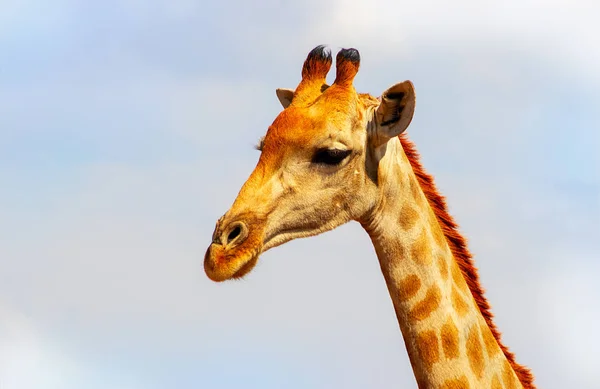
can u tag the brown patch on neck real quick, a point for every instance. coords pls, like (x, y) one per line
(462, 256)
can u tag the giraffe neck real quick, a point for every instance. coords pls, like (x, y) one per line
(448, 341)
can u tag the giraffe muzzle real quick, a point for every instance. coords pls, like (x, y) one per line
(234, 249)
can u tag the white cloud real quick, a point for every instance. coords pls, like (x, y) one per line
(563, 30)
(26, 360)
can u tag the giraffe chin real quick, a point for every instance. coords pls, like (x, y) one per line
(220, 266)
(246, 268)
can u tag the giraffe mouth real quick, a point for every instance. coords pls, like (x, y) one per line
(246, 268)
(221, 264)
(225, 262)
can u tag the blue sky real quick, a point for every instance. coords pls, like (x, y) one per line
(126, 130)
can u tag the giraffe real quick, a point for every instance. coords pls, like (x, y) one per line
(334, 155)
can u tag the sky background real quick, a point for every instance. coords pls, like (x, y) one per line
(126, 130)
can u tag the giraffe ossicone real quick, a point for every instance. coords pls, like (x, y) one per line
(334, 155)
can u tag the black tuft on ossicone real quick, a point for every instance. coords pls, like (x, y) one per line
(321, 52)
(351, 55)
(317, 62)
(347, 63)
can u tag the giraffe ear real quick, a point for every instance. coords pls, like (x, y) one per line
(285, 96)
(395, 111)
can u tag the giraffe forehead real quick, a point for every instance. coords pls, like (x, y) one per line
(305, 126)
(295, 124)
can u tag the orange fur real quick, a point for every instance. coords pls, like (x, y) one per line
(347, 63)
(317, 64)
(463, 257)
(314, 72)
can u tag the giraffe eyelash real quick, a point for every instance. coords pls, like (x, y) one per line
(260, 144)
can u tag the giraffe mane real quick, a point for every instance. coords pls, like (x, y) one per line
(461, 253)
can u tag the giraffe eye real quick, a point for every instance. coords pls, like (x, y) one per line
(330, 156)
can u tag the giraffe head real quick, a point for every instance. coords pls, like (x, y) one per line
(319, 164)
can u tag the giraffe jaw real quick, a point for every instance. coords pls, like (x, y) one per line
(283, 236)
(246, 268)
(221, 265)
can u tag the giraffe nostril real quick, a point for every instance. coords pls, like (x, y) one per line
(234, 233)
(237, 233)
